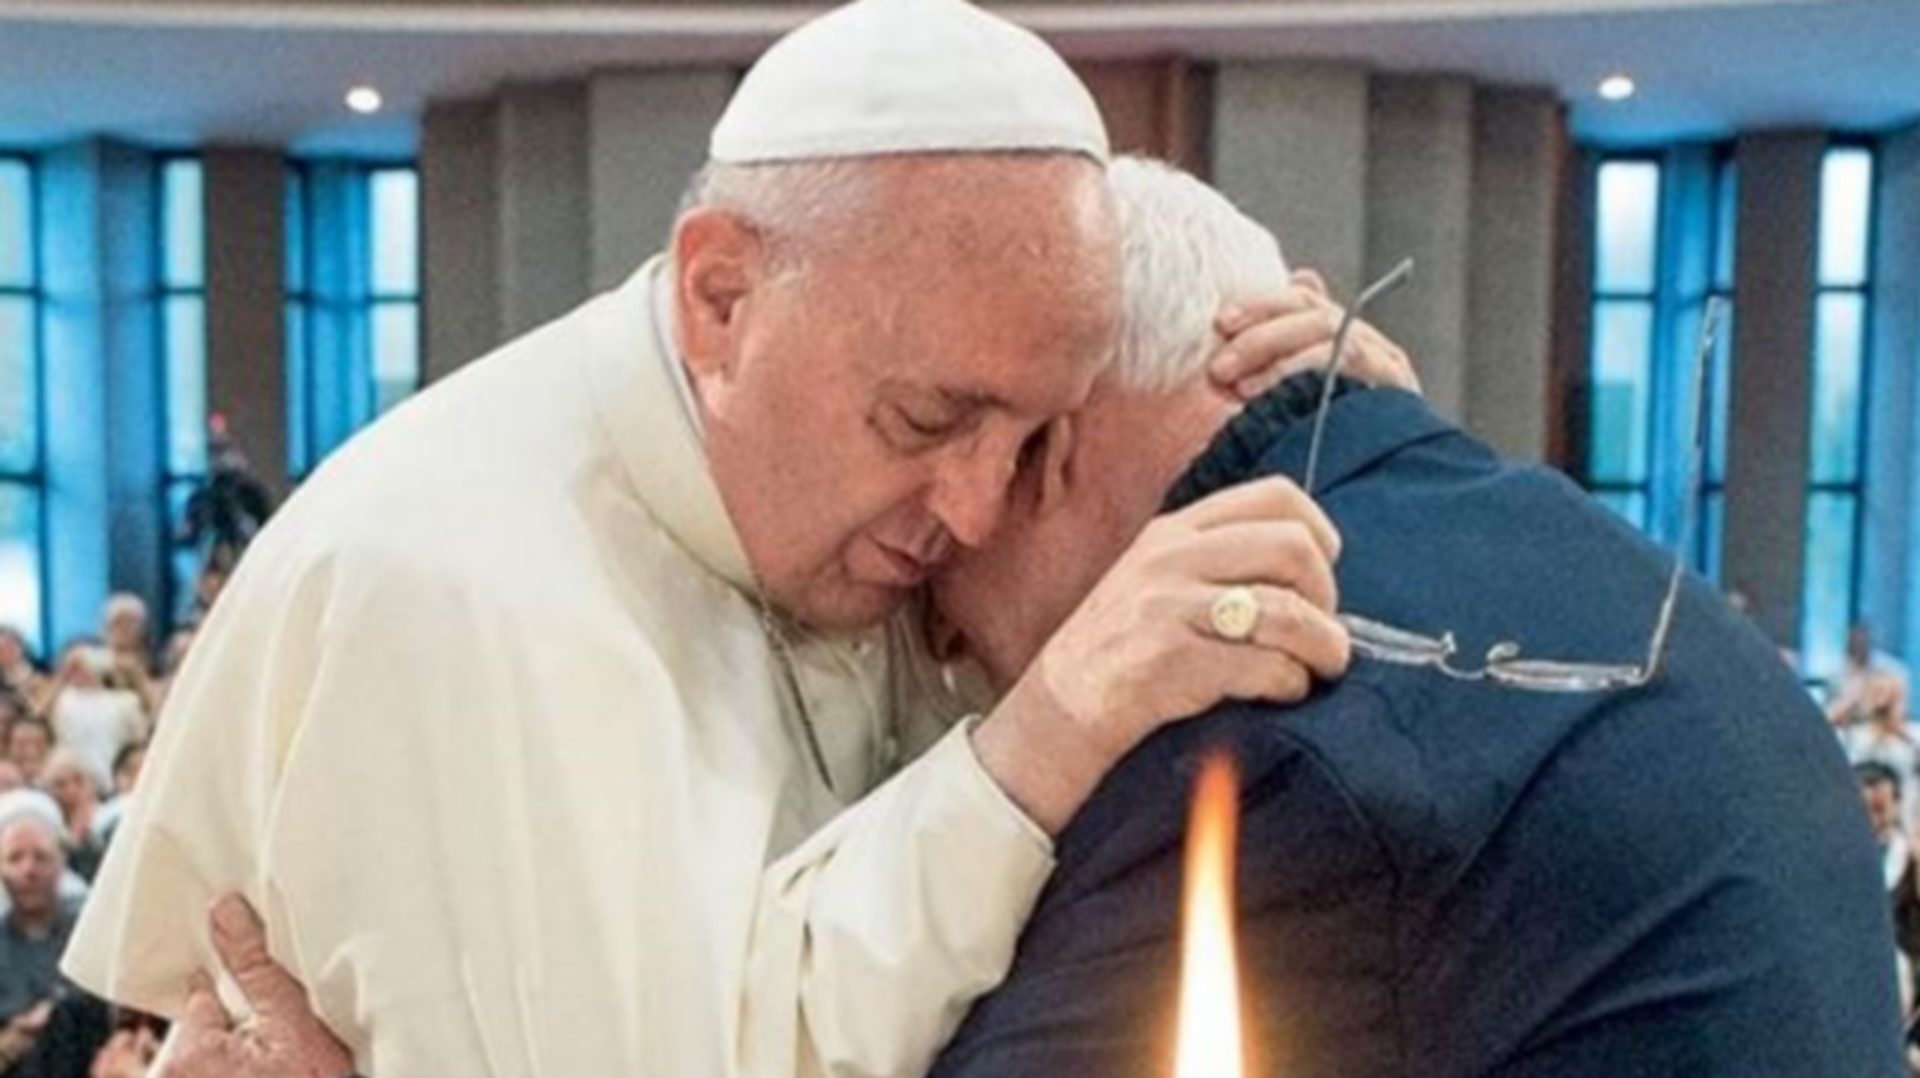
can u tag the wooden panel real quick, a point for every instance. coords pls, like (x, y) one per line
(1160, 108)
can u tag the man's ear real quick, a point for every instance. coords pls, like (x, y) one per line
(1056, 466)
(718, 258)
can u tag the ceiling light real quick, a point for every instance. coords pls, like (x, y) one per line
(363, 99)
(1616, 87)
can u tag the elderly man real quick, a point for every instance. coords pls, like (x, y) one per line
(45, 1027)
(1449, 867)
(547, 726)
(32, 933)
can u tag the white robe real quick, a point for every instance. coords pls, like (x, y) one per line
(488, 726)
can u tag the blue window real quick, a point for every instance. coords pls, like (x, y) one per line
(1842, 317)
(1663, 246)
(1625, 302)
(22, 407)
(353, 301)
(1712, 509)
(183, 358)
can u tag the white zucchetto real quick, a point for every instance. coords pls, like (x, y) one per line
(879, 77)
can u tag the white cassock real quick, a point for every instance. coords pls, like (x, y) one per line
(489, 728)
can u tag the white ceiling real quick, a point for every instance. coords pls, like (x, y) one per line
(180, 73)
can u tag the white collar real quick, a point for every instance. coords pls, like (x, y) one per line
(646, 409)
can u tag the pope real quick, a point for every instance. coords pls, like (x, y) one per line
(560, 725)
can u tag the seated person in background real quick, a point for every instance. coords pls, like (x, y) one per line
(1882, 737)
(18, 671)
(1442, 874)
(46, 1026)
(1865, 665)
(126, 774)
(123, 628)
(36, 803)
(1880, 789)
(29, 740)
(94, 711)
(13, 708)
(66, 778)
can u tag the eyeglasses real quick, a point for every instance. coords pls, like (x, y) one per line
(1504, 664)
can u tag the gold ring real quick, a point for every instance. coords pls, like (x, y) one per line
(1235, 614)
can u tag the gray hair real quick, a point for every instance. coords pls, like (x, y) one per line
(1187, 252)
(791, 202)
(31, 804)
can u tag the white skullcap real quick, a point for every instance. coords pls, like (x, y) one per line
(882, 77)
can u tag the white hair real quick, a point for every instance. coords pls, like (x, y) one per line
(1187, 253)
(125, 603)
(30, 804)
(791, 202)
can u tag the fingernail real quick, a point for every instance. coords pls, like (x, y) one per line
(1231, 316)
(1249, 388)
(230, 916)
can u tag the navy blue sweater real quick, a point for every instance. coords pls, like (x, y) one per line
(1449, 879)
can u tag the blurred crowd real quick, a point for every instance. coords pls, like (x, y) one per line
(1870, 708)
(73, 738)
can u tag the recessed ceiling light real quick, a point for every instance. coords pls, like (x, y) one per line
(1616, 87)
(363, 99)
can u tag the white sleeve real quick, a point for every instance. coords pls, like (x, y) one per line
(874, 937)
(282, 754)
(197, 825)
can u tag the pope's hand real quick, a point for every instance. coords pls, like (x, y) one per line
(1143, 649)
(1270, 339)
(283, 1039)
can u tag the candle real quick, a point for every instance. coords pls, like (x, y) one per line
(1209, 1042)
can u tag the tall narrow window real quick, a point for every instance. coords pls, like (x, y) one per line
(22, 408)
(1626, 282)
(1717, 283)
(183, 357)
(1837, 465)
(395, 225)
(299, 301)
(1663, 246)
(353, 294)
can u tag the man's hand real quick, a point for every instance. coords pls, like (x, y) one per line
(19, 1035)
(1271, 339)
(1140, 651)
(284, 1039)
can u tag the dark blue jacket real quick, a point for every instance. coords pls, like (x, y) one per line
(1440, 878)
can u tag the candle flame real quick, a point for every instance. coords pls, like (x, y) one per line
(1209, 1044)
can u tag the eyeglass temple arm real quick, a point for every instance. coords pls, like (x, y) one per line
(1703, 359)
(1389, 281)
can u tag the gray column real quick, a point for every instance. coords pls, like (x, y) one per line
(246, 195)
(106, 520)
(1519, 160)
(544, 240)
(1290, 148)
(1890, 570)
(1772, 374)
(460, 234)
(647, 136)
(1419, 190)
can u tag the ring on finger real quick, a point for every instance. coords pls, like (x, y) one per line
(1235, 614)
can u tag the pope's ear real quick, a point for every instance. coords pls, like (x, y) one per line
(717, 256)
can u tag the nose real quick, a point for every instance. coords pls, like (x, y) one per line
(970, 493)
